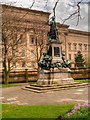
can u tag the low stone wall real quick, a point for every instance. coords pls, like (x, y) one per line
(25, 76)
(83, 73)
(21, 76)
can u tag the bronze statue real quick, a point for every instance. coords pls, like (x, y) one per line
(46, 62)
(65, 63)
(53, 30)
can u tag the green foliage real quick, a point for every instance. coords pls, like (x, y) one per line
(79, 60)
(50, 111)
(82, 114)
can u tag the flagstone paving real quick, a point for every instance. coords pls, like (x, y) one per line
(15, 95)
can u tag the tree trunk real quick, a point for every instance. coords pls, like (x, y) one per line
(6, 77)
(6, 71)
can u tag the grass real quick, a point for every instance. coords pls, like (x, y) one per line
(14, 84)
(50, 111)
(82, 80)
(9, 85)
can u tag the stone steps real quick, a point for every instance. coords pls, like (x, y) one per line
(30, 89)
(55, 87)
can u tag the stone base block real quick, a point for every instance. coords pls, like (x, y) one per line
(55, 76)
(44, 82)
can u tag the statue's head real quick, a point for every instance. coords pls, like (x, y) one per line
(53, 18)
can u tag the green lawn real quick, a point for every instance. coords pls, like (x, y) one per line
(50, 111)
(8, 85)
(14, 84)
(82, 80)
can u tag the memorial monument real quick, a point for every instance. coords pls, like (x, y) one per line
(54, 67)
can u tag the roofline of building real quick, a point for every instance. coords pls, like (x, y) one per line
(62, 25)
(79, 32)
(24, 9)
(47, 13)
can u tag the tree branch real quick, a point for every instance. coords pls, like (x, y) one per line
(54, 8)
(77, 13)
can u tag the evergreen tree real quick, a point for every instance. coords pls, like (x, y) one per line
(79, 60)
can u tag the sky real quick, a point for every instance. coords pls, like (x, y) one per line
(63, 10)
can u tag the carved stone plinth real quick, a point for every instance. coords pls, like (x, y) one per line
(44, 77)
(55, 76)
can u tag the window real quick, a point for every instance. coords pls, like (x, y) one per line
(69, 56)
(80, 47)
(23, 64)
(56, 52)
(33, 64)
(85, 47)
(88, 47)
(74, 46)
(14, 65)
(32, 53)
(31, 41)
(69, 46)
(23, 53)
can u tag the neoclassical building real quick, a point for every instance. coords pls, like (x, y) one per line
(31, 28)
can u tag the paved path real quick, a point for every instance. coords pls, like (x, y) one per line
(15, 95)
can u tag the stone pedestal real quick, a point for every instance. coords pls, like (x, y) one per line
(44, 77)
(55, 76)
(56, 52)
(61, 76)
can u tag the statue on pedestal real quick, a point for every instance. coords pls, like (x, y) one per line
(53, 30)
(46, 62)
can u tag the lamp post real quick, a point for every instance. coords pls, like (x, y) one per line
(26, 74)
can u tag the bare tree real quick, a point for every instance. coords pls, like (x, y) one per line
(12, 36)
(40, 48)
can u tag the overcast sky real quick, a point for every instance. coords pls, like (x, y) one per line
(63, 10)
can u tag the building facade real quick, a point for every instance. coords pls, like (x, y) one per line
(31, 28)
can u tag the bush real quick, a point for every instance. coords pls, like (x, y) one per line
(78, 113)
(79, 60)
